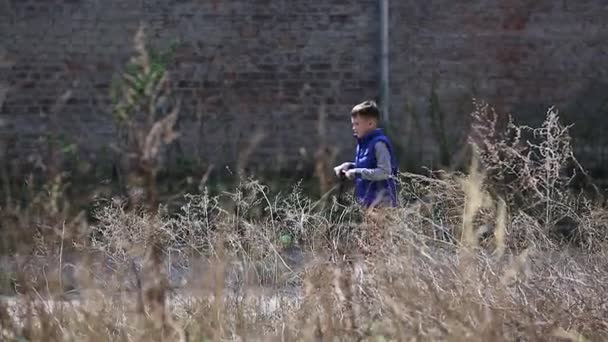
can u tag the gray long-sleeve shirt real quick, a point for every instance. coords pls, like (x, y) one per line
(383, 167)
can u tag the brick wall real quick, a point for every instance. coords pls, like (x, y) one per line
(274, 66)
(523, 56)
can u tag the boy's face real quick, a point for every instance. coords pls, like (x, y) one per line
(363, 125)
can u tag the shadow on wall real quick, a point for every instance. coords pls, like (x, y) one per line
(588, 113)
(433, 134)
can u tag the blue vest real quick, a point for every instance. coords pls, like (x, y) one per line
(376, 193)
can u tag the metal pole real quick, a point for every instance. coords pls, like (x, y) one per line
(384, 60)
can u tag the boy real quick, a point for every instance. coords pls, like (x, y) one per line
(374, 168)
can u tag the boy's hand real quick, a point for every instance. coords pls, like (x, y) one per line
(341, 169)
(350, 174)
(338, 170)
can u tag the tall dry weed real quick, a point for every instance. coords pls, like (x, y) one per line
(146, 113)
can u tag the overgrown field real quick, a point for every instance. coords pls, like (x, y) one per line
(511, 250)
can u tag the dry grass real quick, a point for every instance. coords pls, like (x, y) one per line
(463, 260)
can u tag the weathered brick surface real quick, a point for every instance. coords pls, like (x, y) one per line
(243, 66)
(523, 56)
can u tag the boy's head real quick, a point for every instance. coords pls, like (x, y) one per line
(364, 118)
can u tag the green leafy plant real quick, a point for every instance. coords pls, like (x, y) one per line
(146, 113)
